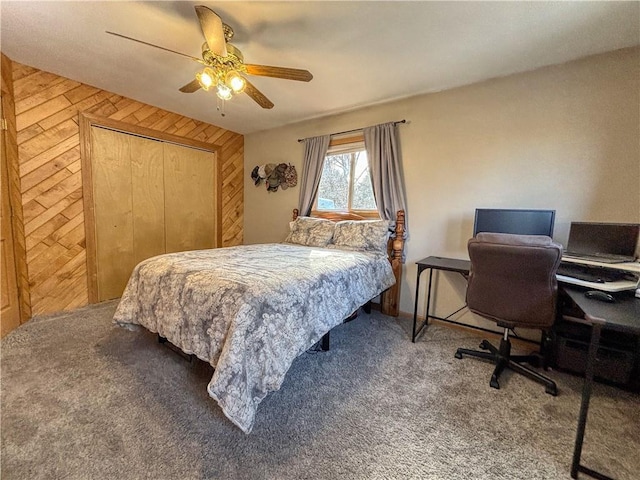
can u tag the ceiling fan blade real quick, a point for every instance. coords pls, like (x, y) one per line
(257, 96)
(192, 86)
(279, 72)
(199, 60)
(212, 30)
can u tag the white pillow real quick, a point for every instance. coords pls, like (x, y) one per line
(363, 235)
(312, 232)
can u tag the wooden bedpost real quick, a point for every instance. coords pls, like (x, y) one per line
(390, 299)
(295, 213)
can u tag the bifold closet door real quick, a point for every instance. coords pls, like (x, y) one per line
(150, 197)
(128, 191)
(189, 203)
(147, 189)
(113, 210)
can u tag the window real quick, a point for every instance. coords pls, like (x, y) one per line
(345, 183)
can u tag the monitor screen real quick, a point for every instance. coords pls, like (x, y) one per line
(588, 238)
(522, 222)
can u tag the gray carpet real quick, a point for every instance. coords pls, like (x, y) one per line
(84, 399)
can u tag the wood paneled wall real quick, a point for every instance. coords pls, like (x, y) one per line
(50, 177)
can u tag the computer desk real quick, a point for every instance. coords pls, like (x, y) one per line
(623, 315)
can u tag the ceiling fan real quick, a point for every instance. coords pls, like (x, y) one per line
(224, 63)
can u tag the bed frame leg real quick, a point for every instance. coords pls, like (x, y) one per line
(353, 316)
(324, 343)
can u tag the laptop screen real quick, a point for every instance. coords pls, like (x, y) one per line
(601, 239)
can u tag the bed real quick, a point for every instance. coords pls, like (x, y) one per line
(250, 310)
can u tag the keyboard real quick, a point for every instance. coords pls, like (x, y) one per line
(590, 274)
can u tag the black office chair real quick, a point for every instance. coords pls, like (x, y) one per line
(512, 281)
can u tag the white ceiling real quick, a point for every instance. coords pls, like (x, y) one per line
(360, 53)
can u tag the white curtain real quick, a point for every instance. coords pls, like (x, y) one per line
(385, 164)
(315, 149)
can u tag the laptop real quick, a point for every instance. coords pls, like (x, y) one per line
(603, 242)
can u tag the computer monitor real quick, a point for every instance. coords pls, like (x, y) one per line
(522, 222)
(612, 242)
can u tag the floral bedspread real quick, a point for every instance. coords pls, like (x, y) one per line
(250, 310)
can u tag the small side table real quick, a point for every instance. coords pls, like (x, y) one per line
(436, 263)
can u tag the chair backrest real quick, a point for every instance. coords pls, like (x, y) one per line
(513, 279)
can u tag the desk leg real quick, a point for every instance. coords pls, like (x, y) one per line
(415, 308)
(426, 313)
(586, 396)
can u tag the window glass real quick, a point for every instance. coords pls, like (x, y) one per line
(362, 189)
(345, 184)
(333, 192)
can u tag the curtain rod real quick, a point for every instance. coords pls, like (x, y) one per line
(354, 130)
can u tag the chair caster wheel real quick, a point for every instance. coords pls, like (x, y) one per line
(484, 345)
(494, 383)
(551, 390)
(458, 355)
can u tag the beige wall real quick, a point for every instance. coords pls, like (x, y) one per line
(565, 137)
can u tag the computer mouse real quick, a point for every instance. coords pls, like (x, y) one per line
(600, 295)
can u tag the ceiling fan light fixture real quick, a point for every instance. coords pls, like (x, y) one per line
(206, 78)
(224, 68)
(224, 92)
(235, 81)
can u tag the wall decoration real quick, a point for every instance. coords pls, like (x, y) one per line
(275, 175)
